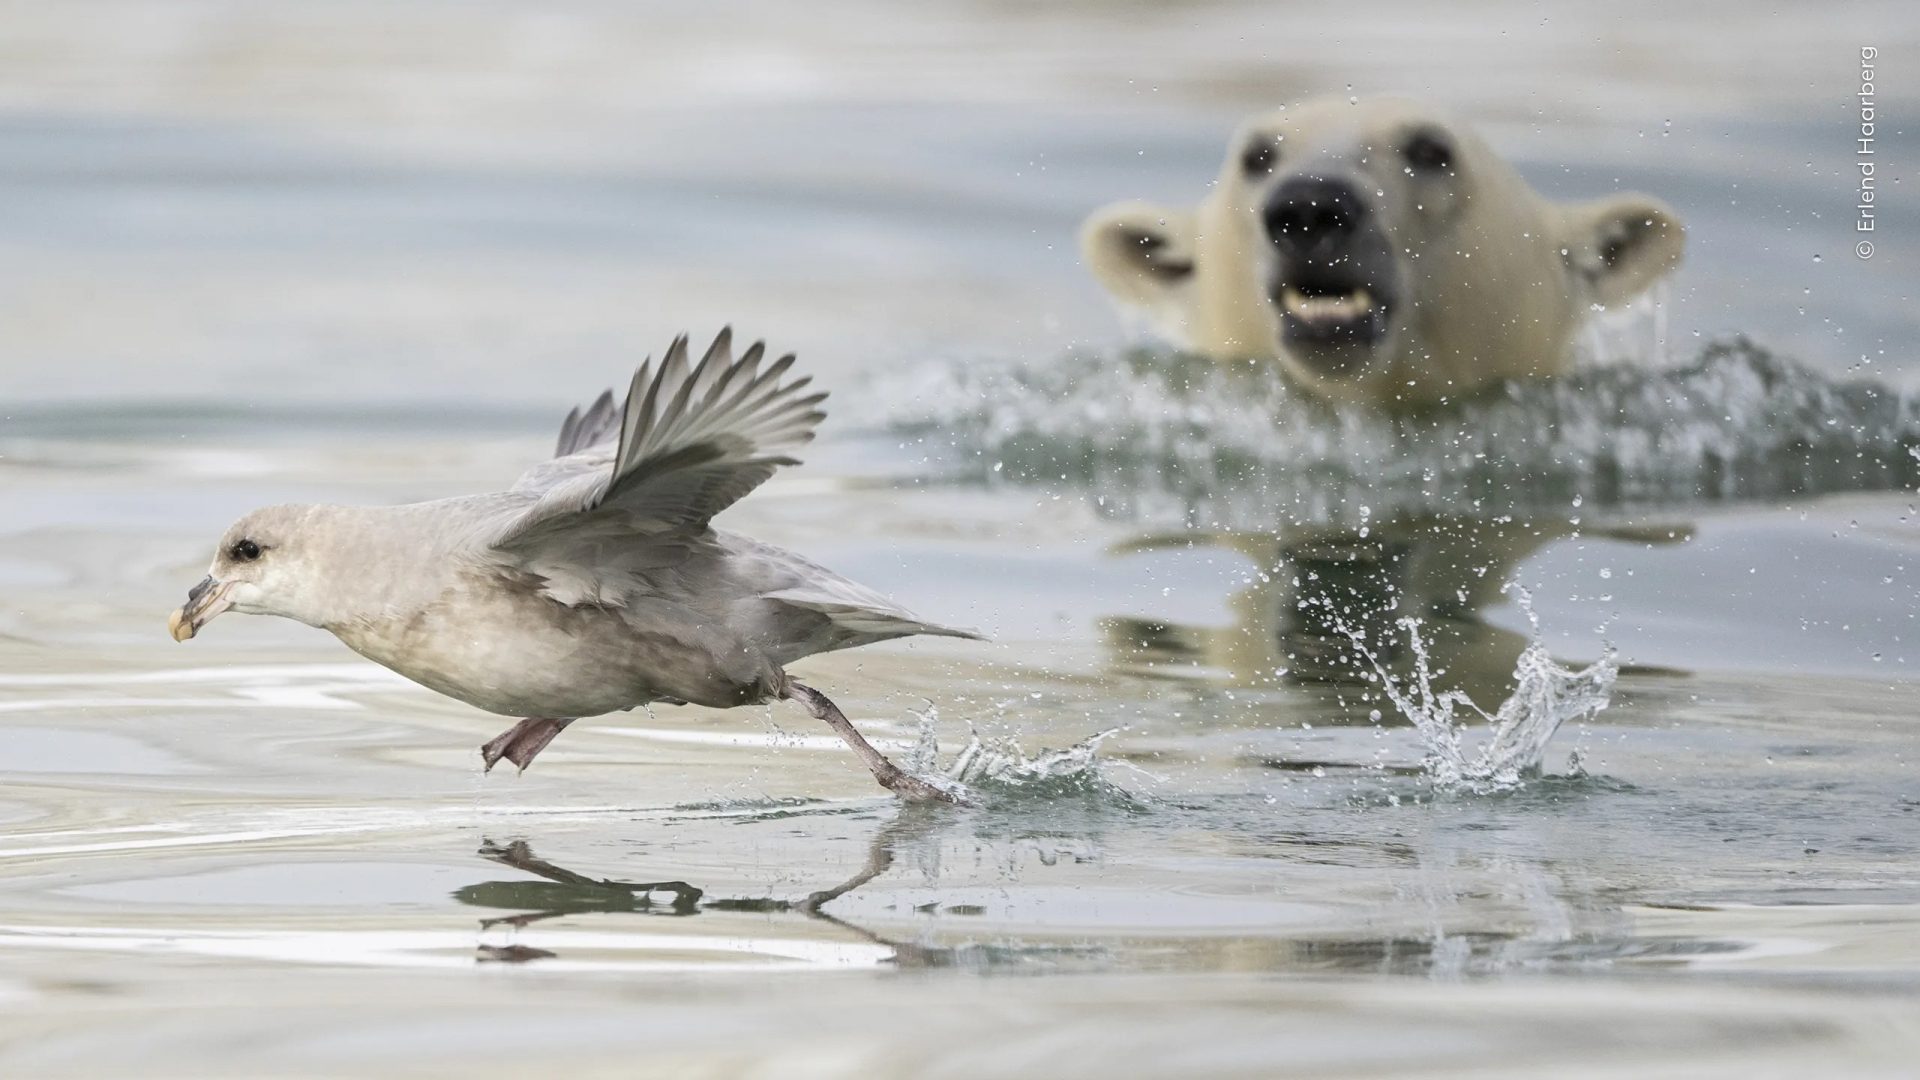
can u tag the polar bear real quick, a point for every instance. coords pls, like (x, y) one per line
(1381, 253)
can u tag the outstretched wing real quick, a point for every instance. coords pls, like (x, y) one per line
(690, 440)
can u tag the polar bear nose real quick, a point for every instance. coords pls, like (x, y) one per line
(1310, 215)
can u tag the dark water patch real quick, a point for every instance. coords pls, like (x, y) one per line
(1483, 954)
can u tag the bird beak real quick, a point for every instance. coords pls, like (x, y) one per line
(204, 601)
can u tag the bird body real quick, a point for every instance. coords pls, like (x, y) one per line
(596, 583)
(712, 621)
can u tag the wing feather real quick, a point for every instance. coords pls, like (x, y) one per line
(689, 441)
(583, 430)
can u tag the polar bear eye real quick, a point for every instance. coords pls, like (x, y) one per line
(1427, 152)
(1259, 157)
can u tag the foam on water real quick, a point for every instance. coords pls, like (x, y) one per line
(1173, 438)
(1545, 696)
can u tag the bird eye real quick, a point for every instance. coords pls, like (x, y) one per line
(1259, 156)
(1427, 152)
(244, 550)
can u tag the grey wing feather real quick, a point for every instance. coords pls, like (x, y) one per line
(596, 425)
(692, 440)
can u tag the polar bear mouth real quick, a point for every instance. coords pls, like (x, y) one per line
(1333, 314)
(1340, 310)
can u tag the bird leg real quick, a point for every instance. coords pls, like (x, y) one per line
(907, 786)
(522, 742)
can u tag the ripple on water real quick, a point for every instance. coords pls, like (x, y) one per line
(73, 750)
(321, 884)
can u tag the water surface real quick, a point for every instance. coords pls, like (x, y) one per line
(373, 254)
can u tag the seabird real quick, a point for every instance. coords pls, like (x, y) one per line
(596, 583)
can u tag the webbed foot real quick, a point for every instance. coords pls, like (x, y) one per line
(522, 742)
(910, 788)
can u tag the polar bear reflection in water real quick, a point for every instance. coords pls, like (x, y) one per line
(1380, 253)
(1318, 594)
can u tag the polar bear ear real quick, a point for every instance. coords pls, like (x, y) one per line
(1620, 246)
(1142, 253)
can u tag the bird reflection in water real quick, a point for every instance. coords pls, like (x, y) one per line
(567, 892)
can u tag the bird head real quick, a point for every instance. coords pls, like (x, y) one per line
(260, 568)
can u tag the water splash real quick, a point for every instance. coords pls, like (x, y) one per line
(1185, 440)
(1000, 766)
(1545, 696)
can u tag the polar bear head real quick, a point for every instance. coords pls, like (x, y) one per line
(1381, 252)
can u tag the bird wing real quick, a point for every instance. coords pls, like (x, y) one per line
(690, 440)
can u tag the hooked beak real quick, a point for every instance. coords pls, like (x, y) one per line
(204, 601)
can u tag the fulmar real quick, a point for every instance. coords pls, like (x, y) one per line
(596, 583)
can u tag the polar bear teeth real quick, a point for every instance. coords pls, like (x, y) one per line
(1326, 308)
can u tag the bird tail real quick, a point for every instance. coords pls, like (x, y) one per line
(817, 625)
(873, 624)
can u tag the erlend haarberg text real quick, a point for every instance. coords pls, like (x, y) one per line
(1864, 156)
